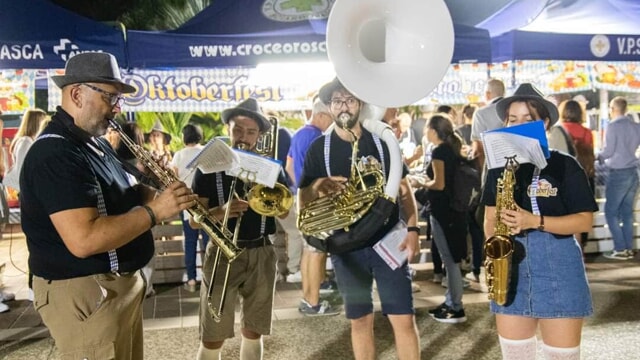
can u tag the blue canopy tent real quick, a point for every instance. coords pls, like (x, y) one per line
(247, 32)
(600, 30)
(36, 34)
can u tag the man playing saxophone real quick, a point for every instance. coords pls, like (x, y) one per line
(355, 270)
(548, 286)
(87, 223)
(253, 273)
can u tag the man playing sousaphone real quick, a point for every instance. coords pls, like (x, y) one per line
(356, 269)
(253, 273)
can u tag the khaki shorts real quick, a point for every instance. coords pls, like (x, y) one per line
(93, 317)
(252, 279)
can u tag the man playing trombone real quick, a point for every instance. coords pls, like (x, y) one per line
(252, 274)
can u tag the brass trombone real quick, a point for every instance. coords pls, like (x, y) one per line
(262, 200)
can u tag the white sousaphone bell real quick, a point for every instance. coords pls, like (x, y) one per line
(388, 54)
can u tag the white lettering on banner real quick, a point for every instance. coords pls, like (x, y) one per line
(313, 47)
(21, 52)
(460, 86)
(628, 45)
(197, 88)
(66, 49)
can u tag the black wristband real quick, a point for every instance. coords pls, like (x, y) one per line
(413, 228)
(152, 216)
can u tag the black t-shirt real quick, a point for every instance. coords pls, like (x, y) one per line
(440, 200)
(340, 163)
(216, 187)
(563, 187)
(67, 173)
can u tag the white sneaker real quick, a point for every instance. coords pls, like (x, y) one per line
(3, 307)
(6, 296)
(472, 277)
(30, 295)
(415, 287)
(296, 277)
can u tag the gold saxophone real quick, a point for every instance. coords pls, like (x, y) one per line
(219, 234)
(499, 248)
(321, 217)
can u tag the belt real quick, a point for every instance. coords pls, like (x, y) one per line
(254, 243)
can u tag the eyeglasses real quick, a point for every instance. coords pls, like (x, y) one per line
(113, 99)
(350, 102)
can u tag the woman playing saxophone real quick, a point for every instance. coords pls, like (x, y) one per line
(548, 287)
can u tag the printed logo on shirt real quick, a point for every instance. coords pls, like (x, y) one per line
(544, 189)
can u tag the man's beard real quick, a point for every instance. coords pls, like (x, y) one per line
(346, 120)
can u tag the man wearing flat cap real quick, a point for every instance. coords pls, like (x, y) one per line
(253, 273)
(87, 223)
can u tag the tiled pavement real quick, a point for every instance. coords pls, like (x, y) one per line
(174, 307)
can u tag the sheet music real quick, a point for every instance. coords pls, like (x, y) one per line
(255, 168)
(215, 156)
(528, 142)
(387, 247)
(498, 146)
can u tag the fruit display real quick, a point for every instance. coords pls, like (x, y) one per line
(619, 75)
(15, 87)
(572, 77)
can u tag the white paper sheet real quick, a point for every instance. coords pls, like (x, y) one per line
(388, 249)
(252, 167)
(215, 156)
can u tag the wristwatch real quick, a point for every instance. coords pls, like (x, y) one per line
(413, 228)
(541, 226)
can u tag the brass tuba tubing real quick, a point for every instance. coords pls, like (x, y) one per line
(322, 216)
(217, 233)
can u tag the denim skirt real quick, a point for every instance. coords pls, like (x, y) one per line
(547, 279)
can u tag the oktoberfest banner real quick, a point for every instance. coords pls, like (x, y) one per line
(17, 91)
(276, 88)
(211, 90)
(462, 84)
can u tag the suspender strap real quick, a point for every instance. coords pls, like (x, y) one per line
(221, 200)
(102, 207)
(534, 191)
(327, 152)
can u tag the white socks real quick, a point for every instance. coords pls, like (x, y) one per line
(556, 353)
(251, 349)
(518, 349)
(208, 354)
(526, 350)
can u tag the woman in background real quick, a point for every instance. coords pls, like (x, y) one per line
(22, 141)
(192, 136)
(573, 116)
(448, 226)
